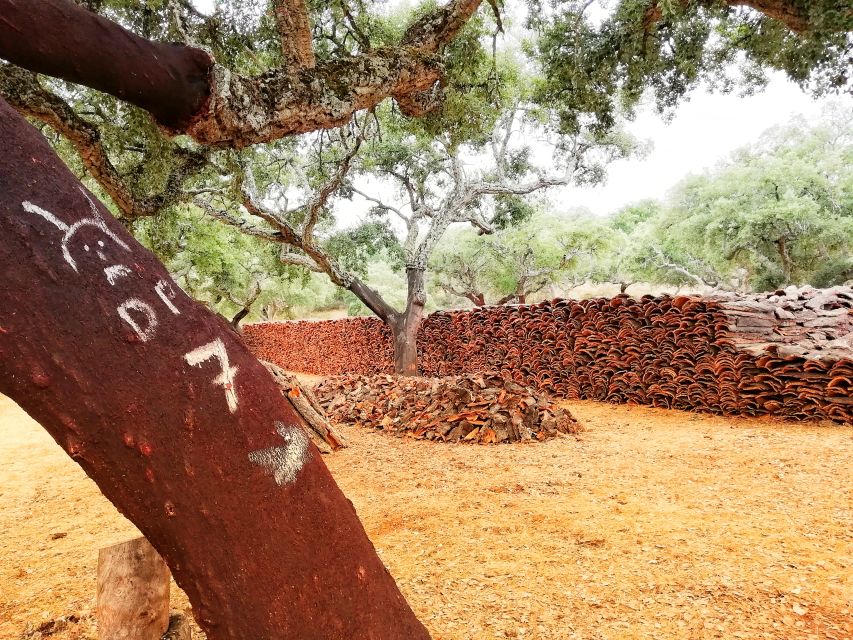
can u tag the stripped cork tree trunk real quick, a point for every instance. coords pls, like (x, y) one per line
(179, 425)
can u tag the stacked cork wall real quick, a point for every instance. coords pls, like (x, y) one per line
(735, 357)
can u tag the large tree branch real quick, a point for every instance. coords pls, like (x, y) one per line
(248, 110)
(239, 223)
(373, 301)
(61, 39)
(787, 12)
(526, 188)
(294, 27)
(315, 258)
(23, 91)
(299, 260)
(187, 93)
(435, 30)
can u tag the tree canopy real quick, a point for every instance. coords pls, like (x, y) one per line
(596, 67)
(775, 213)
(306, 80)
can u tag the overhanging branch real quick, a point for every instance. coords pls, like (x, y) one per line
(188, 93)
(294, 27)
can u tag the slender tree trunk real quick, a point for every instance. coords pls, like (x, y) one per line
(405, 326)
(238, 318)
(785, 257)
(179, 425)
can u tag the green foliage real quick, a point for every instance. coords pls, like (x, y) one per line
(222, 267)
(520, 261)
(355, 249)
(631, 216)
(594, 71)
(778, 213)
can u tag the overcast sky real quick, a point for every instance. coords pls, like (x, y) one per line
(705, 130)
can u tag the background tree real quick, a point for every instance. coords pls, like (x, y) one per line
(520, 261)
(779, 212)
(431, 184)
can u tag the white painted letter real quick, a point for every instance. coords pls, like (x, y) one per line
(167, 298)
(216, 349)
(96, 221)
(146, 333)
(115, 272)
(284, 463)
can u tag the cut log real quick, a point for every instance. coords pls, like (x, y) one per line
(133, 592)
(325, 436)
(180, 426)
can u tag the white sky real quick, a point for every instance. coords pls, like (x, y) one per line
(705, 130)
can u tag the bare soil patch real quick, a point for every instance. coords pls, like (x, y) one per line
(651, 524)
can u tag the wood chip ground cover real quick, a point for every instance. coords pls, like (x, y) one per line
(652, 524)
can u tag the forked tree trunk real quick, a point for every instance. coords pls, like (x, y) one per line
(405, 334)
(404, 326)
(179, 425)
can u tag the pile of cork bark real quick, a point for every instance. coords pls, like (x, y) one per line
(473, 408)
(788, 353)
(816, 324)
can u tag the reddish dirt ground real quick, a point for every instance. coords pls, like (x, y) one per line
(652, 524)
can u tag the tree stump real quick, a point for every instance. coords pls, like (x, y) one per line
(133, 592)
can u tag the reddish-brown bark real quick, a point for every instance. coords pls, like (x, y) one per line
(787, 355)
(197, 447)
(61, 39)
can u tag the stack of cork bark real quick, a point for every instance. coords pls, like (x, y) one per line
(325, 347)
(816, 324)
(472, 408)
(788, 353)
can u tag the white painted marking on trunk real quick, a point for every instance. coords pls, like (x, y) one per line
(216, 349)
(167, 298)
(284, 463)
(144, 333)
(96, 221)
(115, 272)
